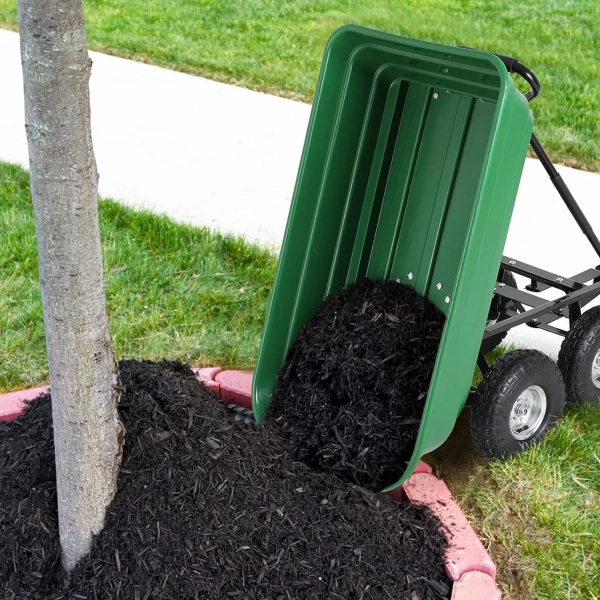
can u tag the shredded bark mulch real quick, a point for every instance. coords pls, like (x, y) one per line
(208, 507)
(352, 391)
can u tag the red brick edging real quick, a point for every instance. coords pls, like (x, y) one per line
(468, 564)
(11, 404)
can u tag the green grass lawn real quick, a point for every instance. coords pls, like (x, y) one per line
(182, 293)
(277, 46)
(540, 512)
(173, 291)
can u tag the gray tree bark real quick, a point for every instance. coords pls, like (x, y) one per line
(64, 188)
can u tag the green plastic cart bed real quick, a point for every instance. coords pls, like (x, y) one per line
(410, 169)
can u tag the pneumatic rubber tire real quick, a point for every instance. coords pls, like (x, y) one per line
(578, 359)
(502, 396)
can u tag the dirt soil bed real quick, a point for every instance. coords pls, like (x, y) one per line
(352, 391)
(208, 507)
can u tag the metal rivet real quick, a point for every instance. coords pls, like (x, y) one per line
(410, 275)
(559, 279)
(447, 299)
(512, 262)
(435, 95)
(439, 286)
(501, 284)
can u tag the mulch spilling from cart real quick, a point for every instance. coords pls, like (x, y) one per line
(208, 507)
(352, 391)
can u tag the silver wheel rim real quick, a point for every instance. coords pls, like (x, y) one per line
(528, 412)
(596, 370)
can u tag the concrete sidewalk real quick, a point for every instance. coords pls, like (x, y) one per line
(200, 151)
(226, 157)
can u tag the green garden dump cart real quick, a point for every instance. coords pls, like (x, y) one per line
(410, 170)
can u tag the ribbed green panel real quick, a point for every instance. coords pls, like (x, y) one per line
(461, 206)
(331, 197)
(378, 171)
(376, 259)
(321, 128)
(384, 111)
(428, 194)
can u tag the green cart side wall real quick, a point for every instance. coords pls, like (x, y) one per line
(410, 169)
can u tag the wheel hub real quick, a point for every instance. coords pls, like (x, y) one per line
(529, 410)
(596, 370)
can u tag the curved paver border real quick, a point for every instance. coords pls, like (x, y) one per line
(13, 403)
(468, 564)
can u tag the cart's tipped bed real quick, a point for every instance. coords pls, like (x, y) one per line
(410, 169)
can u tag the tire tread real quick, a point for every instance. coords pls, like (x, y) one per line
(574, 352)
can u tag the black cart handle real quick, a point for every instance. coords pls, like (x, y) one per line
(514, 66)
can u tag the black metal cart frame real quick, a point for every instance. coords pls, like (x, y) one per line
(527, 307)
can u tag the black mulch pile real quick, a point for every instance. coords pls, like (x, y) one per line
(352, 391)
(208, 507)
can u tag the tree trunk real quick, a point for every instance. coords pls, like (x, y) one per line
(64, 188)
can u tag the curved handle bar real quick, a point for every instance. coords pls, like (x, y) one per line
(514, 66)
